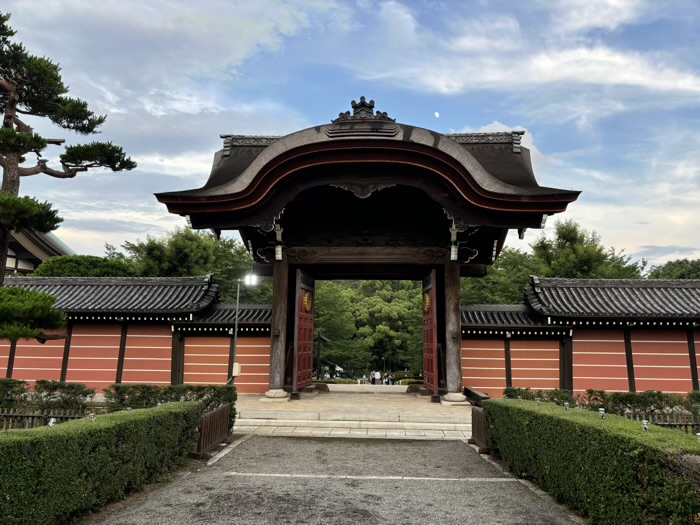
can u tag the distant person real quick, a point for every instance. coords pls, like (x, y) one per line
(378, 378)
(371, 376)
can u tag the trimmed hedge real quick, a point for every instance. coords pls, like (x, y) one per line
(610, 469)
(48, 395)
(53, 475)
(121, 396)
(13, 393)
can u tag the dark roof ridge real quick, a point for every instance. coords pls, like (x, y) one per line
(232, 306)
(497, 307)
(111, 281)
(628, 283)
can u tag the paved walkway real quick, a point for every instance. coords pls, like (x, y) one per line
(389, 413)
(275, 480)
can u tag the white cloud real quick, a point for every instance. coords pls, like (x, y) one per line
(164, 45)
(584, 15)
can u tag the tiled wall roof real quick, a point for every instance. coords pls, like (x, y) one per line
(615, 298)
(124, 295)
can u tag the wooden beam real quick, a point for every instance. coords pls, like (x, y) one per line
(11, 359)
(66, 351)
(693, 358)
(630, 360)
(177, 374)
(509, 368)
(566, 364)
(122, 352)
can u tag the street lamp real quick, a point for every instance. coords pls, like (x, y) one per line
(249, 280)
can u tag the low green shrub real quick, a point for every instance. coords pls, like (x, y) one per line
(609, 469)
(121, 396)
(49, 395)
(692, 403)
(13, 393)
(53, 475)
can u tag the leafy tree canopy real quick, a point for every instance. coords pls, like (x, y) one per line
(578, 254)
(678, 269)
(186, 252)
(85, 266)
(572, 252)
(25, 313)
(334, 321)
(504, 282)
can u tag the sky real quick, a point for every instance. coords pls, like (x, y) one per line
(608, 92)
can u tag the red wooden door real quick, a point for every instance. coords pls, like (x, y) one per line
(430, 371)
(304, 331)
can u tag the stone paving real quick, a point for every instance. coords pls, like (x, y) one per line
(388, 414)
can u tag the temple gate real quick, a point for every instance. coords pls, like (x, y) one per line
(366, 197)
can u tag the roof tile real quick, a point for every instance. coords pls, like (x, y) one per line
(615, 298)
(124, 295)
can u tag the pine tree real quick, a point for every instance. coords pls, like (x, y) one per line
(32, 86)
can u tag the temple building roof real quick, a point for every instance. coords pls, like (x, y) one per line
(28, 249)
(364, 181)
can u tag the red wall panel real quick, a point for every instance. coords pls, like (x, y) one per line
(206, 360)
(535, 364)
(484, 366)
(4, 356)
(36, 361)
(148, 355)
(599, 360)
(93, 356)
(253, 353)
(661, 360)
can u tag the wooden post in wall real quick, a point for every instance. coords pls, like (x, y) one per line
(453, 326)
(280, 285)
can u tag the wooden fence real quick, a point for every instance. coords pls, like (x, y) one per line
(683, 422)
(213, 429)
(21, 418)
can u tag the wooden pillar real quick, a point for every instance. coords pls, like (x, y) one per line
(693, 359)
(630, 360)
(509, 368)
(66, 351)
(280, 287)
(177, 373)
(122, 352)
(11, 359)
(566, 364)
(453, 327)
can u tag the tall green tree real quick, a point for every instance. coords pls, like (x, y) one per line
(186, 252)
(505, 281)
(388, 318)
(33, 86)
(576, 253)
(334, 321)
(678, 269)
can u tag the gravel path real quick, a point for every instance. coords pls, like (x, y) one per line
(278, 480)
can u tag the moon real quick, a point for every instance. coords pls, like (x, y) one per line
(437, 115)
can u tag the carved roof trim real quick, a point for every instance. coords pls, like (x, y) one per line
(504, 137)
(246, 140)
